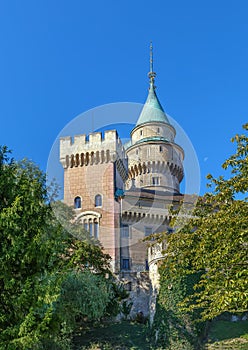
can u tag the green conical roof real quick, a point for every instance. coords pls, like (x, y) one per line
(152, 110)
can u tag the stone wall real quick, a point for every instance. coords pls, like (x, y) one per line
(139, 287)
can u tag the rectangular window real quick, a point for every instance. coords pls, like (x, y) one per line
(147, 266)
(148, 231)
(156, 180)
(125, 264)
(125, 231)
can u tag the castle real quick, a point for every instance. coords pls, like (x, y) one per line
(122, 193)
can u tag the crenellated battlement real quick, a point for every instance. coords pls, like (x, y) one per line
(96, 148)
(84, 142)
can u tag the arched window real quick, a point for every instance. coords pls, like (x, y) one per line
(98, 200)
(96, 229)
(90, 227)
(91, 223)
(77, 203)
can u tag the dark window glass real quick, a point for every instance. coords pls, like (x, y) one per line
(90, 228)
(77, 203)
(96, 230)
(98, 200)
(155, 180)
(125, 264)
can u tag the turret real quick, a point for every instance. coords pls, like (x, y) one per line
(155, 160)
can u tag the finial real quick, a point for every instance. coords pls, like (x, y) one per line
(151, 74)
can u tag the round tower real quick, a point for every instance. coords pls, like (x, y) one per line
(154, 159)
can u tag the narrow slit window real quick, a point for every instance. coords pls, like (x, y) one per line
(156, 181)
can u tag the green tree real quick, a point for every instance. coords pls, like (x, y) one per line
(39, 255)
(214, 242)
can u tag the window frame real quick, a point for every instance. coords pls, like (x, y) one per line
(125, 266)
(125, 231)
(76, 199)
(98, 197)
(155, 180)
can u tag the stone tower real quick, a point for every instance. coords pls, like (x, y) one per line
(155, 170)
(154, 159)
(94, 169)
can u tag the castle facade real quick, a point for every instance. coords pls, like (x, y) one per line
(122, 193)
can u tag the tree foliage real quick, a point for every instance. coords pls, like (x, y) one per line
(175, 328)
(214, 241)
(40, 256)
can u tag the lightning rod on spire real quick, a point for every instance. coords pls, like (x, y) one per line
(151, 57)
(151, 74)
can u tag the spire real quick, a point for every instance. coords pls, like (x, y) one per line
(152, 109)
(151, 74)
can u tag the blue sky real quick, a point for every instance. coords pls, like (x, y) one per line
(61, 58)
